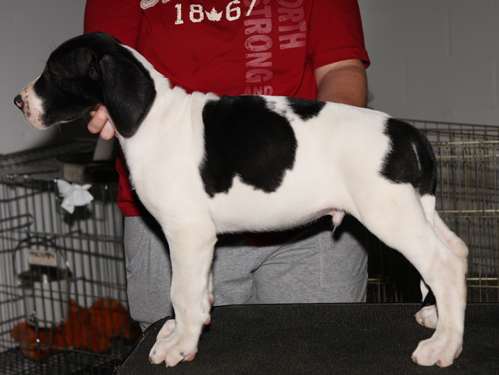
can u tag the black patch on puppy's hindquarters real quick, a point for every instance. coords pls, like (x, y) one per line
(411, 158)
(304, 108)
(244, 138)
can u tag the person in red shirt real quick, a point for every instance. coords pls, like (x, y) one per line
(311, 49)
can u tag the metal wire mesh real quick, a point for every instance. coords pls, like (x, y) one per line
(467, 200)
(79, 323)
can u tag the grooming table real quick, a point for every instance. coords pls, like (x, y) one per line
(322, 339)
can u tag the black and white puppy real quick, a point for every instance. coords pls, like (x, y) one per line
(204, 165)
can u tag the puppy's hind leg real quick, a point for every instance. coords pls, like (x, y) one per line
(428, 315)
(405, 227)
(448, 283)
(447, 236)
(456, 244)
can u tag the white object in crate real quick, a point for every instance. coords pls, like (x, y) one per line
(42, 257)
(74, 195)
(45, 289)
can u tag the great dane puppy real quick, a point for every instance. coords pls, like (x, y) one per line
(203, 165)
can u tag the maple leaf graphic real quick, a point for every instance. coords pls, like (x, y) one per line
(214, 15)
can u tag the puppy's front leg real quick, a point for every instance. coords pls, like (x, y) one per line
(191, 252)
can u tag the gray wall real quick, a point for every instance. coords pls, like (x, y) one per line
(29, 31)
(431, 59)
(434, 59)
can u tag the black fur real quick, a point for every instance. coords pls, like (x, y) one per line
(305, 109)
(95, 69)
(244, 138)
(411, 158)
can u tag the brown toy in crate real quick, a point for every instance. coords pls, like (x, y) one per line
(86, 329)
(25, 334)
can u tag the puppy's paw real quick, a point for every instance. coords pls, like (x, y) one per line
(427, 316)
(167, 329)
(436, 351)
(174, 348)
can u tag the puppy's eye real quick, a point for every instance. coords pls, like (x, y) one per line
(54, 75)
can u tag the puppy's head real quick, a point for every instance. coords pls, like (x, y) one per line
(83, 72)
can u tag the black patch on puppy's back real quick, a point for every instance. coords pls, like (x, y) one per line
(305, 109)
(411, 158)
(244, 138)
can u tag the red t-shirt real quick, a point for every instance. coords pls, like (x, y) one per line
(231, 47)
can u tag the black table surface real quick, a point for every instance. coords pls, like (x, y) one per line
(323, 339)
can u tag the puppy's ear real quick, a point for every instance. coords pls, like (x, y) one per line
(128, 91)
(93, 70)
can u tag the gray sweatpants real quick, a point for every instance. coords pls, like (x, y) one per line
(315, 267)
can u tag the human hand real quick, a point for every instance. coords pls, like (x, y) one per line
(99, 123)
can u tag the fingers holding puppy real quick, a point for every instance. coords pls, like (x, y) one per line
(99, 123)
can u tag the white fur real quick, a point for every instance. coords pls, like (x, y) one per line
(337, 168)
(33, 106)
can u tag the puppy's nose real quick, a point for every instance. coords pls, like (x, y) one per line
(19, 102)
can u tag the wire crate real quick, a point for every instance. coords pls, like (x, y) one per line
(467, 200)
(71, 318)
